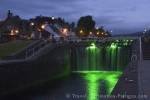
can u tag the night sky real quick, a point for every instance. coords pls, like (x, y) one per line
(121, 16)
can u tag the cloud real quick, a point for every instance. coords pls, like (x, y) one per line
(114, 14)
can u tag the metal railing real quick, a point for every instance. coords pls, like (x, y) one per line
(32, 51)
(140, 80)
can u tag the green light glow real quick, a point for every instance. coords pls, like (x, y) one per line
(92, 46)
(93, 57)
(93, 79)
(113, 46)
(99, 57)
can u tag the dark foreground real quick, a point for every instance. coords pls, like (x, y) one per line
(74, 88)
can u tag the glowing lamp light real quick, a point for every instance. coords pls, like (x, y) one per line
(53, 18)
(65, 31)
(32, 24)
(81, 31)
(43, 26)
(17, 31)
(90, 33)
(97, 33)
(12, 33)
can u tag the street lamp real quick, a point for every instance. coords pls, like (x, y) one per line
(32, 24)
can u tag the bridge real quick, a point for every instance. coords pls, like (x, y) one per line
(71, 68)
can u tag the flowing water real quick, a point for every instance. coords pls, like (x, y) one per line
(110, 57)
(101, 66)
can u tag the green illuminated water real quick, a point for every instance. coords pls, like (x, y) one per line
(95, 87)
(113, 57)
(101, 65)
(93, 59)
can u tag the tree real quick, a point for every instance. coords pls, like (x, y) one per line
(72, 25)
(85, 25)
(108, 34)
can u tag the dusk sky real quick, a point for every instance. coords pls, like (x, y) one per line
(121, 16)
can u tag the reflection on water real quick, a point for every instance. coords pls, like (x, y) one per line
(99, 82)
(80, 83)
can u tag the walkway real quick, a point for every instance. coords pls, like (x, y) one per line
(144, 79)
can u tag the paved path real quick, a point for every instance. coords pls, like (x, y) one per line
(144, 78)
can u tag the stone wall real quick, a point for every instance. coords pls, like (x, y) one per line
(52, 62)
